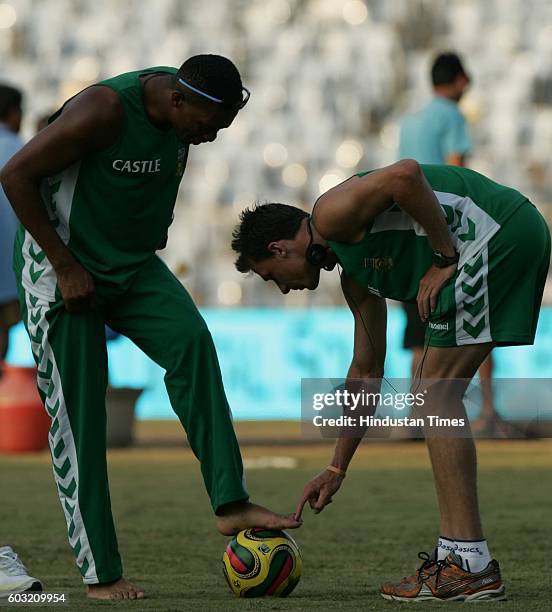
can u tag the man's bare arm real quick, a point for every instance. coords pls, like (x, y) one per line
(90, 122)
(370, 315)
(343, 212)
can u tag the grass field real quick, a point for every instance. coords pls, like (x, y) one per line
(384, 514)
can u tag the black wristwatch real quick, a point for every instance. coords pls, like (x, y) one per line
(442, 261)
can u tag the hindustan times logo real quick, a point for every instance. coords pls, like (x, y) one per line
(343, 398)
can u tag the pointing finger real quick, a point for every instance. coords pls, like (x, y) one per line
(300, 505)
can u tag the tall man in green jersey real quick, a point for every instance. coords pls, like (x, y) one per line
(474, 256)
(95, 192)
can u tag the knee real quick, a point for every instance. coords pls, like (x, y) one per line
(190, 337)
(442, 397)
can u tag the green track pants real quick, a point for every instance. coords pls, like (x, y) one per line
(158, 315)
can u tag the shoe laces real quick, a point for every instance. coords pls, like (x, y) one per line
(430, 567)
(11, 564)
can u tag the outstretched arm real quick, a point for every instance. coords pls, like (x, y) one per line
(90, 122)
(370, 314)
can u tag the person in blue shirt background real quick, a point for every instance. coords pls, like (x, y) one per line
(10, 123)
(438, 134)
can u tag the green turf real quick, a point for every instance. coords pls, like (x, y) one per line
(384, 514)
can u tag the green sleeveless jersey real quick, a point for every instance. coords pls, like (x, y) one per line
(113, 208)
(395, 253)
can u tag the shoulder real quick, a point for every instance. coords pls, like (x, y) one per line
(448, 109)
(95, 116)
(99, 101)
(342, 213)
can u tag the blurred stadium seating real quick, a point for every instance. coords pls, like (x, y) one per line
(329, 79)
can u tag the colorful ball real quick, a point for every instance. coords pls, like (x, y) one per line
(259, 562)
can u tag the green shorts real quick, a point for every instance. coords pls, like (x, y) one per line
(496, 295)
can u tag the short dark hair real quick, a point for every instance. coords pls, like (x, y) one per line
(214, 75)
(10, 99)
(261, 225)
(445, 69)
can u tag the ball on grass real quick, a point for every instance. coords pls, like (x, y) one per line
(259, 562)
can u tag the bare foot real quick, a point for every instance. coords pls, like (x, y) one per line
(120, 589)
(234, 517)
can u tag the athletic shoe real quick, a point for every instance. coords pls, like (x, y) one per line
(13, 575)
(446, 581)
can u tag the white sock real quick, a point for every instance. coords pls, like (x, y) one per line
(474, 553)
(444, 547)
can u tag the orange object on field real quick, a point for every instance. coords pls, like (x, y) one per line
(24, 423)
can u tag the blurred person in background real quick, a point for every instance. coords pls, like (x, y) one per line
(473, 256)
(10, 123)
(95, 192)
(438, 134)
(13, 575)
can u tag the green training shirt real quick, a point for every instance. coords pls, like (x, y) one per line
(395, 253)
(113, 208)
